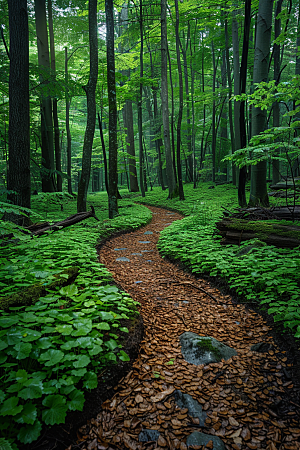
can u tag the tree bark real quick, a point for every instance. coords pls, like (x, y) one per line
(258, 191)
(54, 101)
(213, 145)
(190, 159)
(243, 81)
(179, 121)
(164, 101)
(130, 148)
(18, 179)
(48, 184)
(113, 113)
(69, 138)
(232, 135)
(90, 90)
(140, 111)
(236, 91)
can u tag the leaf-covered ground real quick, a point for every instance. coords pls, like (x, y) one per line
(251, 400)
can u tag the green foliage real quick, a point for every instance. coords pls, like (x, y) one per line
(51, 351)
(267, 275)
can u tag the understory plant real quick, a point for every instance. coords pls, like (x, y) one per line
(53, 350)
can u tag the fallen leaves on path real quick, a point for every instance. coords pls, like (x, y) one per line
(240, 395)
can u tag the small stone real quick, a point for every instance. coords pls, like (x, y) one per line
(194, 408)
(144, 242)
(138, 282)
(203, 349)
(261, 347)
(136, 254)
(119, 249)
(145, 251)
(185, 302)
(148, 232)
(197, 438)
(123, 258)
(149, 435)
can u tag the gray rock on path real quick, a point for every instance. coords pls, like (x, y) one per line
(203, 349)
(194, 407)
(123, 258)
(149, 435)
(197, 438)
(261, 347)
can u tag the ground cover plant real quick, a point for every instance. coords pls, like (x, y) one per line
(265, 275)
(51, 351)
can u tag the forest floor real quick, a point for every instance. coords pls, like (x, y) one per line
(250, 400)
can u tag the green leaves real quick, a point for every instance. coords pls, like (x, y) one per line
(56, 409)
(82, 361)
(30, 433)
(23, 350)
(10, 407)
(51, 357)
(77, 400)
(90, 380)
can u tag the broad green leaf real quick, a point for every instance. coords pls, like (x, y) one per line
(111, 344)
(57, 409)
(102, 326)
(33, 390)
(3, 345)
(2, 396)
(69, 290)
(31, 335)
(123, 356)
(95, 350)
(85, 342)
(6, 322)
(65, 330)
(23, 350)
(90, 380)
(52, 357)
(5, 445)
(70, 344)
(28, 415)
(77, 400)
(82, 361)
(30, 433)
(44, 343)
(78, 372)
(124, 329)
(106, 315)
(10, 407)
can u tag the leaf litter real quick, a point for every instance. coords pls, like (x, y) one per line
(240, 396)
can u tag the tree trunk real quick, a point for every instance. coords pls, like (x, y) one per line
(213, 145)
(90, 90)
(54, 101)
(69, 139)
(276, 112)
(179, 172)
(223, 115)
(140, 111)
(130, 149)
(190, 172)
(113, 112)
(232, 135)
(104, 153)
(18, 179)
(236, 91)
(172, 115)
(48, 184)
(243, 80)
(164, 101)
(258, 191)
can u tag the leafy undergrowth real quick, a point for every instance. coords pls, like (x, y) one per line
(53, 350)
(266, 275)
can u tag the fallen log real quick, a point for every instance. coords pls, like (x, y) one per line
(291, 212)
(71, 220)
(234, 231)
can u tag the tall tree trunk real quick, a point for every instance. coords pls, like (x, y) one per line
(90, 90)
(172, 115)
(243, 80)
(164, 101)
(258, 191)
(232, 136)
(48, 184)
(223, 115)
(18, 179)
(103, 152)
(54, 101)
(113, 112)
(140, 111)
(276, 112)
(130, 148)
(69, 139)
(213, 145)
(184, 49)
(297, 72)
(236, 91)
(179, 121)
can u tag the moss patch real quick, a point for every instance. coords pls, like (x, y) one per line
(205, 345)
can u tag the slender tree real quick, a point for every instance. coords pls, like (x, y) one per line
(258, 191)
(90, 90)
(164, 100)
(18, 179)
(113, 113)
(48, 183)
(140, 100)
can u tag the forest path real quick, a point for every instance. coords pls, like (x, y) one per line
(238, 394)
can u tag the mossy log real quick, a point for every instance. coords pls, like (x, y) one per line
(235, 231)
(31, 294)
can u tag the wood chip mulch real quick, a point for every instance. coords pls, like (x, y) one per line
(240, 395)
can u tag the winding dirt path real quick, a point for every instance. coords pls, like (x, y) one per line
(239, 395)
